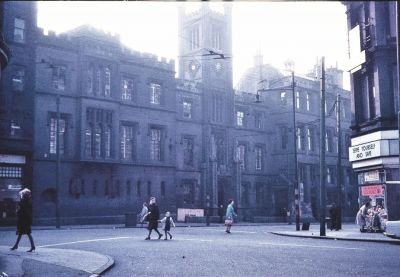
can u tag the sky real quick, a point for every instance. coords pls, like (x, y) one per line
(297, 31)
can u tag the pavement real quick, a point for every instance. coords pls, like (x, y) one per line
(46, 261)
(50, 261)
(349, 231)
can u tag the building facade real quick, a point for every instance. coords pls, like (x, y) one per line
(275, 94)
(374, 78)
(119, 127)
(18, 21)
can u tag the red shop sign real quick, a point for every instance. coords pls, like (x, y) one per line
(376, 190)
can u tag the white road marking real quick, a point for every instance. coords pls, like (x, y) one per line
(233, 231)
(84, 241)
(106, 239)
(207, 240)
(313, 246)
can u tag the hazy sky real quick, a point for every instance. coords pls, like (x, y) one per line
(300, 31)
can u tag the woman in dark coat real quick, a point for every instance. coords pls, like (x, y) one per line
(153, 216)
(24, 216)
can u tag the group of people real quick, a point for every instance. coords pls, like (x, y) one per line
(372, 218)
(151, 213)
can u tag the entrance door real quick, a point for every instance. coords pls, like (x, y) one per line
(281, 201)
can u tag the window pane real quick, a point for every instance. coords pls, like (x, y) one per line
(90, 81)
(126, 142)
(188, 151)
(97, 142)
(155, 94)
(19, 30)
(127, 89)
(18, 80)
(155, 144)
(107, 142)
(187, 109)
(239, 118)
(107, 82)
(59, 77)
(88, 142)
(53, 134)
(258, 158)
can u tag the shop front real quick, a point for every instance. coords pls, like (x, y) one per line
(11, 173)
(375, 160)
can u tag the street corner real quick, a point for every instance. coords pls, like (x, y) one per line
(55, 260)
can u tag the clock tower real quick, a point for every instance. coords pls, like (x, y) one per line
(205, 45)
(205, 58)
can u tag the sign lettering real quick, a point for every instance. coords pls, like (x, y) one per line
(376, 190)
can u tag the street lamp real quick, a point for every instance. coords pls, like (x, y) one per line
(296, 181)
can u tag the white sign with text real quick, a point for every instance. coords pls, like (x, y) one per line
(368, 150)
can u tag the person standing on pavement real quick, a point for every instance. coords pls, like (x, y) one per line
(143, 213)
(153, 216)
(362, 216)
(24, 217)
(230, 213)
(167, 221)
(334, 213)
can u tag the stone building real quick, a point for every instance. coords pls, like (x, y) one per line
(374, 151)
(129, 129)
(18, 21)
(273, 90)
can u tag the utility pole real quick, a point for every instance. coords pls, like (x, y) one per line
(339, 163)
(58, 161)
(296, 180)
(322, 172)
(398, 72)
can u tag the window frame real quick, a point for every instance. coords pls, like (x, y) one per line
(18, 29)
(53, 135)
(155, 143)
(155, 93)
(187, 109)
(59, 81)
(240, 119)
(21, 86)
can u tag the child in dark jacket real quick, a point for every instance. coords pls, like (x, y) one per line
(167, 221)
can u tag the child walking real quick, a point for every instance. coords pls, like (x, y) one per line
(167, 221)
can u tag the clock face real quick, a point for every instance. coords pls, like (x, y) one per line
(194, 66)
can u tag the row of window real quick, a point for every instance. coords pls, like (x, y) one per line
(309, 103)
(241, 156)
(194, 38)
(98, 138)
(305, 139)
(113, 189)
(241, 120)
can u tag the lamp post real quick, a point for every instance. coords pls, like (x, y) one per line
(296, 181)
(322, 172)
(57, 161)
(339, 163)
